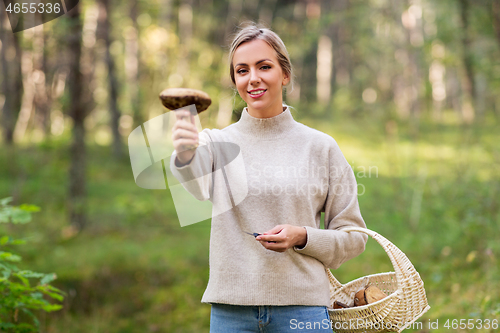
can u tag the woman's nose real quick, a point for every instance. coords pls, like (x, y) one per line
(254, 77)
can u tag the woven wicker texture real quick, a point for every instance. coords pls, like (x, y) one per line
(405, 303)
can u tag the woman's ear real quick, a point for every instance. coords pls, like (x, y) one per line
(286, 79)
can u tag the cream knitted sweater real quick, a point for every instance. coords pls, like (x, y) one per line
(289, 173)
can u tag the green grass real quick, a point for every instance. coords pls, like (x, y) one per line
(432, 192)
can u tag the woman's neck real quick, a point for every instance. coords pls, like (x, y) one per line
(266, 113)
(265, 128)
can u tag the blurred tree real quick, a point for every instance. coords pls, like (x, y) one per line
(468, 107)
(12, 84)
(77, 111)
(132, 58)
(233, 10)
(324, 69)
(496, 18)
(31, 77)
(105, 30)
(42, 97)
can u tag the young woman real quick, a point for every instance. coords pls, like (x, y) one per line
(275, 282)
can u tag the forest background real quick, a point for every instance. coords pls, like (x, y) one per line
(408, 88)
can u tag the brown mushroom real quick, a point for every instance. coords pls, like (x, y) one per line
(340, 305)
(368, 295)
(176, 98)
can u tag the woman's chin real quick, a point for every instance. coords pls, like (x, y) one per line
(256, 108)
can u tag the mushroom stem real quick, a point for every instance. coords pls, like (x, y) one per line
(189, 119)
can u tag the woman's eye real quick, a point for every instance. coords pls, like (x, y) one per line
(265, 67)
(241, 71)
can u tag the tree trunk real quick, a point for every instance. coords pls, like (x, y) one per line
(12, 84)
(42, 91)
(469, 84)
(266, 11)
(495, 6)
(132, 58)
(324, 69)
(27, 102)
(233, 9)
(77, 111)
(165, 13)
(496, 18)
(185, 37)
(105, 6)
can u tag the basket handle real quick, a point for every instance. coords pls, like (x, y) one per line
(334, 283)
(402, 266)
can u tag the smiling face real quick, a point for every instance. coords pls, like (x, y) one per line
(259, 78)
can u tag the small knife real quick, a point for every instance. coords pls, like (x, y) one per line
(255, 234)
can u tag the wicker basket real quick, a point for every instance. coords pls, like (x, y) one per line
(405, 303)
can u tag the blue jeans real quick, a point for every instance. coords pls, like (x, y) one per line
(226, 318)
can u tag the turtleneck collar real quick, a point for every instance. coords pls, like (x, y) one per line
(266, 128)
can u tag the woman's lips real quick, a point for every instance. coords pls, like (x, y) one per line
(257, 95)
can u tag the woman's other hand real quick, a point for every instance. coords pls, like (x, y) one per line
(184, 136)
(284, 237)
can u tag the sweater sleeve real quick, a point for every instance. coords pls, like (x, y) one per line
(332, 246)
(196, 176)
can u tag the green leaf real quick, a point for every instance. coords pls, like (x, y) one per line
(5, 326)
(37, 295)
(23, 279)
(30, 314)
(29, 208)
(5, 215)
(48, 278)
(6, 272)
(18, 242)
(25, 328)
(20, 216)
(51, 307)
(7, 256)
(5, 201)
(8, 266)
(49, 287)
(54, 295)
(37, 323)
(31, 274)
(5, 240)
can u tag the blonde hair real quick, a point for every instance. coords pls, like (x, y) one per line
(252, 32)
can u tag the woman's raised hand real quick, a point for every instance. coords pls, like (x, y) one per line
(283, 237)
(184, 136)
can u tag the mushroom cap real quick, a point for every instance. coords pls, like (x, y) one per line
(175, 98)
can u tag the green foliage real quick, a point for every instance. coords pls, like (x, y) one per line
(19, 295)
(21, 214)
